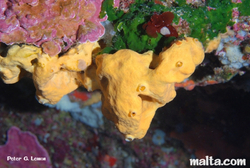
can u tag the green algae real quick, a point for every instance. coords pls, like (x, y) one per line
(205, 22)
(128, 26)
(244, 8)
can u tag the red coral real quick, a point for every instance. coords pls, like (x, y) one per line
(161, 24)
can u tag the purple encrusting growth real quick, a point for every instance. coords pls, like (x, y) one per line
(54, 25)
(19, 145)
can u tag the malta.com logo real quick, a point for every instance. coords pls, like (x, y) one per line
(209, 161)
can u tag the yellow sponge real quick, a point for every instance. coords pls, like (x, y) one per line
(53, 76)
(134, 85)
(18, 58)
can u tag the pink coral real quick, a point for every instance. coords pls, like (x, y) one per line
(21, 149)
(235, 13)
(236, 1)
(53, 25)
(116, 3)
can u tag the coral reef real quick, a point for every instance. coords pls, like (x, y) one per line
(151, 51)
(22, 150)
(46, 23)
(57, 75)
